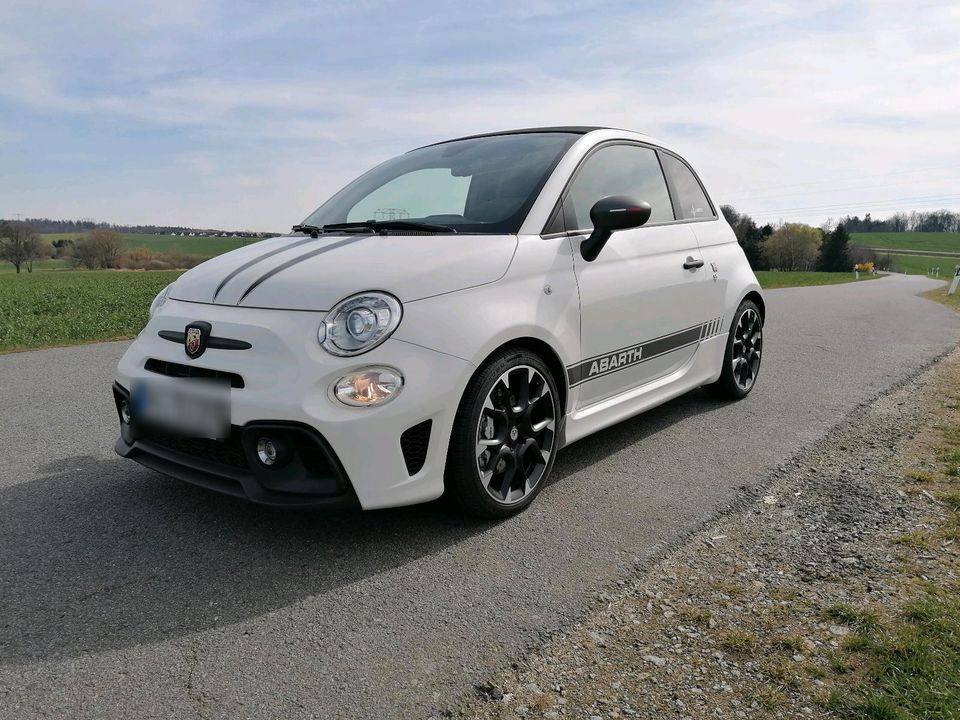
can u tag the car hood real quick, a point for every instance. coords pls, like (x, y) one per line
(304, 273)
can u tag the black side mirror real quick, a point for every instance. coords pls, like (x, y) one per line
(614, 212)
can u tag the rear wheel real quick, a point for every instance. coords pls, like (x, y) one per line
(741, 361)
(504, 437)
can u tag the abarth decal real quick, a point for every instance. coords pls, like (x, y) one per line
(611, 362)
(297, 260)
(260, 258)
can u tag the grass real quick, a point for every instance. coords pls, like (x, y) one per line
(859, 618)
(770, 279)
(44, 309)
(913, 666)
(925, 241)
(909, 662)
(940, 295)
(921, 264)
(738, 641)
(39, 266)
(199, 246)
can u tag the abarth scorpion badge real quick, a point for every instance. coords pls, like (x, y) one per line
(195, 339)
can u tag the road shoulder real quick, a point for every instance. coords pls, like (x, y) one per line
(784, 607)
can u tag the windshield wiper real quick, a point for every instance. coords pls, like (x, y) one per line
(314, 230)
(386, 225)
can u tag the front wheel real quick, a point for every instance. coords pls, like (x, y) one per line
(741, 361)
(505, 436)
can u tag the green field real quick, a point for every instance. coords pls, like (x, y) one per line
(926, 241)
(65, 308)
(199, 246)
(921, 264)
(770, 279)
(38, 266)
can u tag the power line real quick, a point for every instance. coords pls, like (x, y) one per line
(741, 191)
(833, 191)
(863, 203)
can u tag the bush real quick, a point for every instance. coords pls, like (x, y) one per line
(143, 259)
(794, 246)
(98, 249)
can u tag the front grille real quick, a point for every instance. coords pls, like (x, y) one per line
(414, 443)
(223, 452)
(172, 369)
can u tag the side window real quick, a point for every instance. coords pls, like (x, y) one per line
(693, 203)
(618, 170)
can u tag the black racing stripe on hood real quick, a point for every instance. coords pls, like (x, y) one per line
(250, 263)
(297, 260)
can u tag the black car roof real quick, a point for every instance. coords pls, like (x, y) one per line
(571, 129)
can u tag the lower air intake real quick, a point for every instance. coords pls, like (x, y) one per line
(414, 443)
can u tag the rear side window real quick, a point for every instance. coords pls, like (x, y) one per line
(692, 200)
(618, 170)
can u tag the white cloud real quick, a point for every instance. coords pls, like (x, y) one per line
(780, 105)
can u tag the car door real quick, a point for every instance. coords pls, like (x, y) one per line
(714, 238)
(644, 300)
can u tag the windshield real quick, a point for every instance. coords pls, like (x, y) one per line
(478, 185)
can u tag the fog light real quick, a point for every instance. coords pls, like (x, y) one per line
(125, 412)
(368, 387)
(267, 451)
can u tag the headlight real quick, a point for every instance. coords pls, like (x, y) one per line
(359, 323)
(368, 387)
(159, 300)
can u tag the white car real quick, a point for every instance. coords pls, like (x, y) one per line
(444, 325)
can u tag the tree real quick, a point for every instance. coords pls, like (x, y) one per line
(794, 246)
(20, 245)
(99, 248)
(835, 252)
(748, 235)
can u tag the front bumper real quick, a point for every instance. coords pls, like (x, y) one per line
(385, 456)
(312, 474)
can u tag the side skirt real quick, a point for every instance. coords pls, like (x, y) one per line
(702, 368)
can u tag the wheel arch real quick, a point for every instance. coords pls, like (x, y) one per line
(545, 352)
(757, 299)
(550, 357)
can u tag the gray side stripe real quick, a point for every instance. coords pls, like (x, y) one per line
(259, 258)
(618, 360)
(699, 326)
(297, 260)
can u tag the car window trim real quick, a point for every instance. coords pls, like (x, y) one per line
(558, 206)
(671, 185)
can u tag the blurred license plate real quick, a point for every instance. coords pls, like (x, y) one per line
(192, 407)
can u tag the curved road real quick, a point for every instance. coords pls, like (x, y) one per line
(125, 594)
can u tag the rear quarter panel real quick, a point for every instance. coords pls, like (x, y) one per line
(720, 250)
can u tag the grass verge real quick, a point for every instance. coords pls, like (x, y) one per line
(907, 664)
(65, 308)
(771, 279)
(940, 296)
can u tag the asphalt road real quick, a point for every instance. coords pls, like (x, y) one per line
(125, 594)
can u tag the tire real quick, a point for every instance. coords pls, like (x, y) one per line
(504, 438)
(741, 361)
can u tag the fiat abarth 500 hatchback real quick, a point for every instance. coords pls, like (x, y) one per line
(444, 325)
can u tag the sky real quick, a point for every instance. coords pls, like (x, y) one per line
(247, 115)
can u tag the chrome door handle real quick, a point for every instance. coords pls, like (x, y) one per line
(692, 264)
